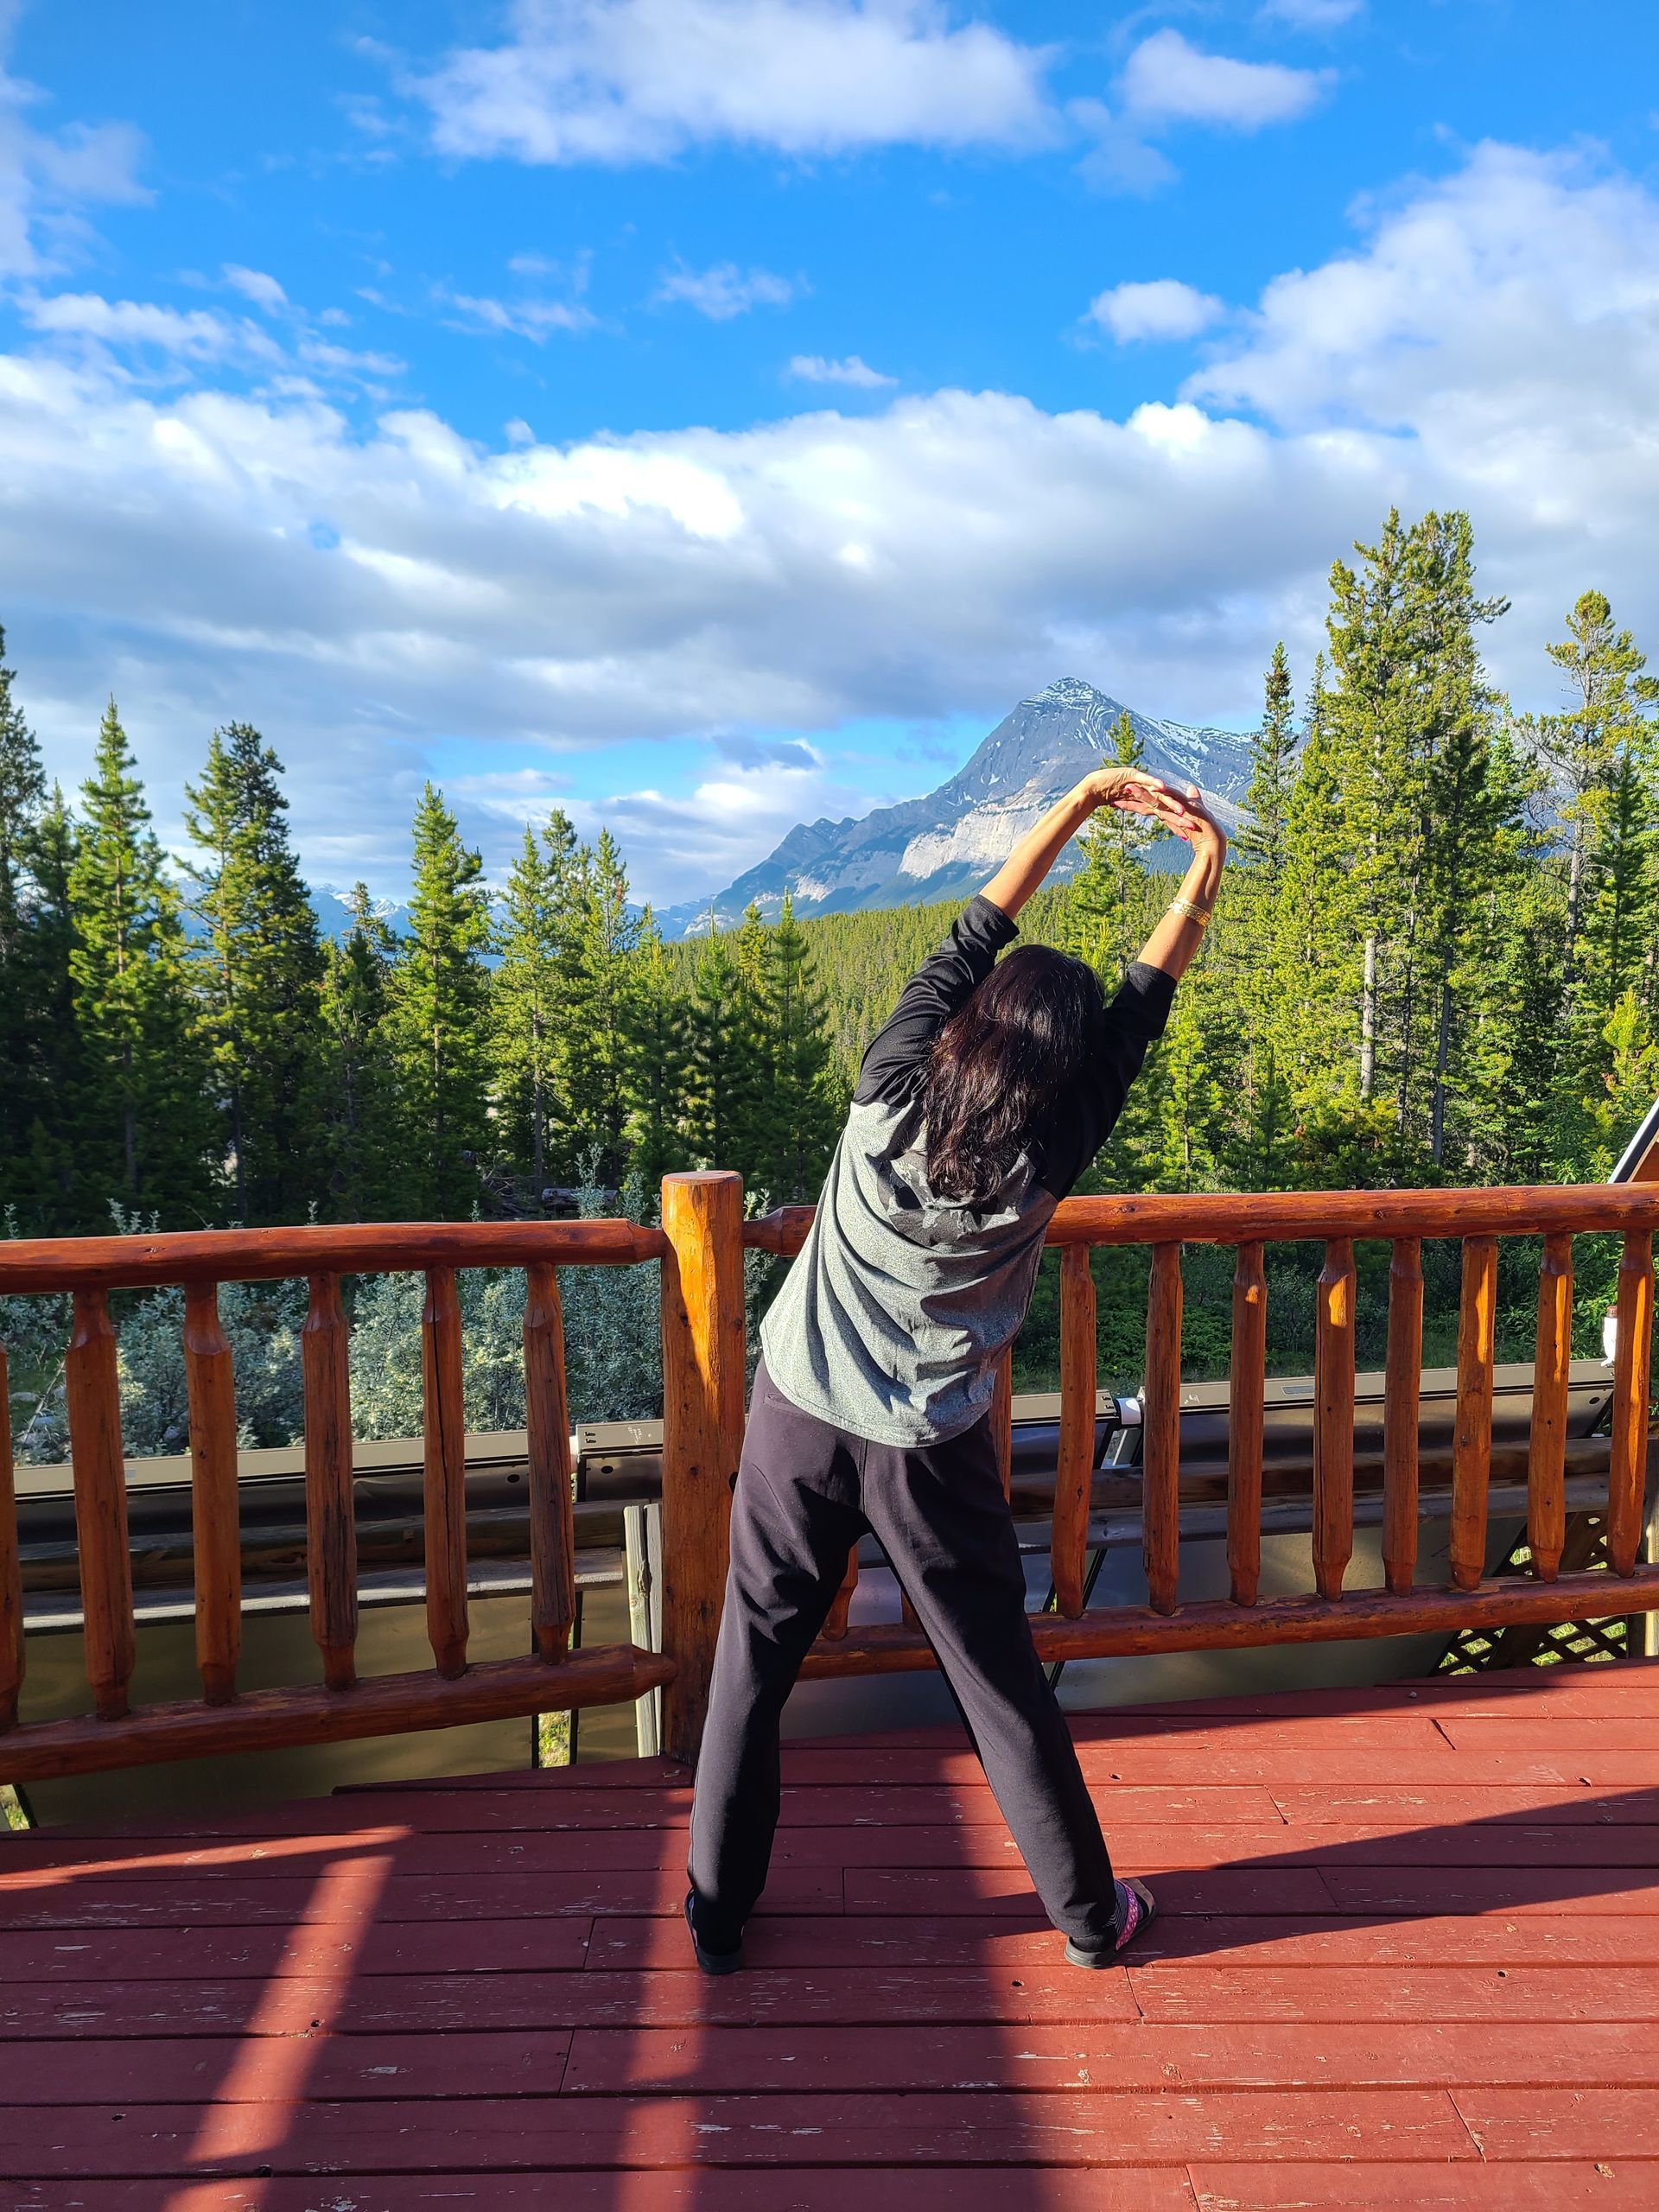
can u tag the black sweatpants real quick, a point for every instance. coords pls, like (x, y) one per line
(806, 1491)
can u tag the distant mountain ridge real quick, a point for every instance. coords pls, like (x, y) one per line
(944, 845)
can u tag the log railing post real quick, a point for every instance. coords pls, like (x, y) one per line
(1628, 1464)
(1333, 1420)
(330, 1516)
(1551, 1376)
(11, 1570)
(703, 1350)
(1074, 1468)
(1401, 1409)
(1471, 1440)
(552, 1529)
(1161, 1502)
(1244, 1416)
(444, 1485)
(215, 1515)
(835, 1626)
(92, 1393)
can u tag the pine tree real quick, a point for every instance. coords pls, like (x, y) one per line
(601, 1023)
(726, 1082)
(22, 793)
(1261, 836)
(361, 1147)
(1580, 749)
(528, 996)
(801, 1111)
(22, 790)
(258, 965)
(658, 1061)
(142, 1131)
(49, 1171)
(439, 991)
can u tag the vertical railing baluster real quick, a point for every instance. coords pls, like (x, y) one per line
(12, 1569)
(1333, 1419)
(1002, 1419)
(1471, 1440)
(1162, 1443)
(444, 1488)
(215, 1516)
(1402, 1411)
(1244, 1413)
(835, 1626)
(546, 1413)
(704, 1359)
(1074, 1467)
(1552, 1372)
(330, 1518)
(1627, 1465)
(92, 1393)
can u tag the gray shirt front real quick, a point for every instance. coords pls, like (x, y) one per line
(892, 1319)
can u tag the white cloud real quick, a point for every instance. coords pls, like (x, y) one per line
(254, 284)
(1165, 309)
(196, 333)
(372, 597)
(1312, 15)
(813, 368)
(523, 318)
(48, 177)
(1168, 80)
(723, 291)
(631, 81)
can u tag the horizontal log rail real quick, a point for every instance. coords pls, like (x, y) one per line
(1331, 1610)
(1287, 1216)
(71, 1264)
(700, 1247)
(345, 1706)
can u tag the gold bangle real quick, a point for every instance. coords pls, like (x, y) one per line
(1191, 913)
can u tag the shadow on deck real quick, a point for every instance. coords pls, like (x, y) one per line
(1415, 1926)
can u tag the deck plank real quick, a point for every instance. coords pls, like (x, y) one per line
(924, 2130)
(482, 1987)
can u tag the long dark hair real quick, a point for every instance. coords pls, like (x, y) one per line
(1002, 1062)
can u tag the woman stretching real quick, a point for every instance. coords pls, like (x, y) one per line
(977, 1108)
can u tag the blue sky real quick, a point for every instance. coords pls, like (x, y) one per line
(707, 413)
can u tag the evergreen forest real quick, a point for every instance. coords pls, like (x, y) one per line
(1432, 962)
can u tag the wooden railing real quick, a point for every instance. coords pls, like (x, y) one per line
(344, 1704)
(1336, 1220)
(701, 1247)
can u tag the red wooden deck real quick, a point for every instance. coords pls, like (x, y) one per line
(1415, 1928)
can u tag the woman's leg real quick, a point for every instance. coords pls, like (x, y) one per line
(941, 1517)
(795, 1517)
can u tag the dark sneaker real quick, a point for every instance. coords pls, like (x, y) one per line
(1135, 1914)
(710, 1961)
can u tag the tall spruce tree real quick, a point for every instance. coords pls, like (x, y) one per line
(602, 1019)
(659, 1060)
(142, 1129)
(726, 1077)
(1580, 749)
(534, 939)
(801, 1108)
(22, 792)
(440, 990)
(361, 1129)
(53, 1194)
(257, 968)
